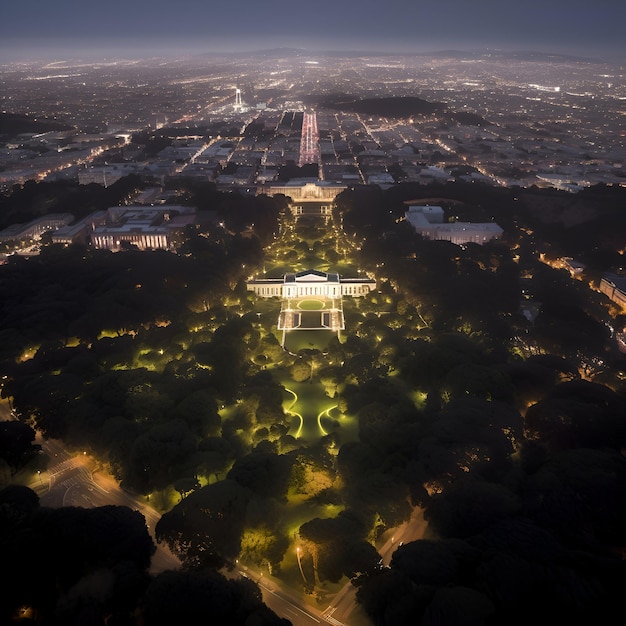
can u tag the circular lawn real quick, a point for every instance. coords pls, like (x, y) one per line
(311, 305)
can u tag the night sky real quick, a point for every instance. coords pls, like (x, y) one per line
(136, 27)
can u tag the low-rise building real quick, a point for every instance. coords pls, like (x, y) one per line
(614, 287)
(428, 222)
(147, 228)
(311, 300)
(79, 232)
(311, 283)
(308, 198)
(35, 228)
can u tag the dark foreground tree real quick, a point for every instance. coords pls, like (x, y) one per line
(71, 565)
(578, 414)
(205, 597)
(338, 546)
(89, 567)
(206, 527)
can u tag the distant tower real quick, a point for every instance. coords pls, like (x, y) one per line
(309, 141)
(238, 102)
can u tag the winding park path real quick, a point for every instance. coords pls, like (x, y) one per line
(289, 409)
(310, 407)
(321, 414)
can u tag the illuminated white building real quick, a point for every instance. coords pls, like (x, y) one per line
(428, 222)
(311, 300)
(306, 191)
(311, 283)
(35, 228)
(80, 231)
(147, 228)
(615, 288)
(313, 199)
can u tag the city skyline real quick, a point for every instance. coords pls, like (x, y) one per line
(68, 29)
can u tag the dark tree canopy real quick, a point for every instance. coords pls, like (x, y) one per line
(88, 561)
(469, 506)
(206, 526)
(578, 414)
(204, 596)
(17, 444)
(170, 371)
(338, 546)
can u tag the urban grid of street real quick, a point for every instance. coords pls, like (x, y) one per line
(530, 120)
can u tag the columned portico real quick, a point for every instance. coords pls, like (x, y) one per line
(311, 300)
(308, 199)
(311, 283)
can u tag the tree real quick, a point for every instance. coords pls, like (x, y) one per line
(356, 459)
(431, 362)
(110, 534)
(91, 563)
(336, 542)
(427, 562)
(199, 411)
(578, 414)
(184, 486)
(312, 476)
(331, 377)
(262, 398)
(577, 495)
(570, 331)
(206, 527)
(159, 456)
(528, 571)
(390, 598)
(381, 494)
(468, 506)
(193, 597)
(214, 456)
(264, 546)
(300, 371)
(458, 606)
(264, 473)
(17, 444)
(470, 435)
(479, 381)
(390, 424)
(530, 381)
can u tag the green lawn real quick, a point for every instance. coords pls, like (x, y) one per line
(315, 414)
(315, 339)
(310, 305)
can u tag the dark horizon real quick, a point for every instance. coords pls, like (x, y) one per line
(61, 30)
(50, 54)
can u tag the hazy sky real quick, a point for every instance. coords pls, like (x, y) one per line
(85, 27)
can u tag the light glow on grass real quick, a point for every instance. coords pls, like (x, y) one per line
(288, 409)
(320, 415)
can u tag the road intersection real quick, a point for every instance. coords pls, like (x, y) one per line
(72, 480)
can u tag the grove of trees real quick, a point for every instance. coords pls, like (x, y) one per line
(507, 431)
